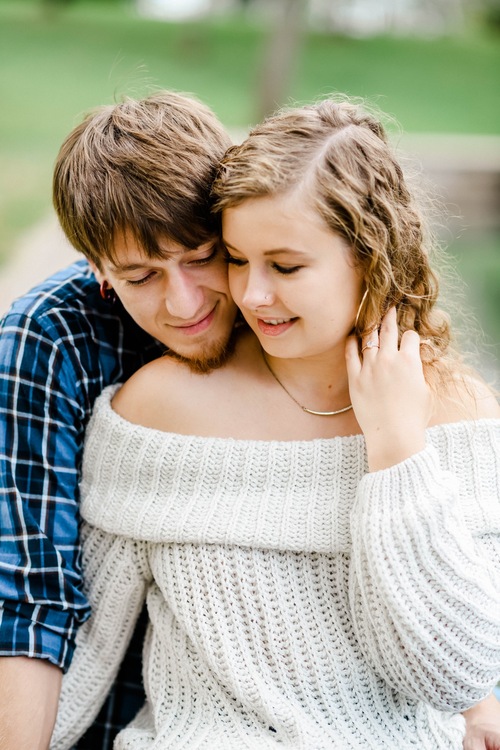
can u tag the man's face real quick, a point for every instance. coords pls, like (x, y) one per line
(182, 300)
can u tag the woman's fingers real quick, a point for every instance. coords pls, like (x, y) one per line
(385, 338)
(353, 361)
(390, 397)
(381, 337)
(389, 330)
(370, 343)
(410, 343)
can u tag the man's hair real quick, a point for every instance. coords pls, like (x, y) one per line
(143, 166)
(337, 155)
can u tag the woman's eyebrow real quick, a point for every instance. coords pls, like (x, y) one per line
(274, 251)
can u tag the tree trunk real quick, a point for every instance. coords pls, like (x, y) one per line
(280, 56)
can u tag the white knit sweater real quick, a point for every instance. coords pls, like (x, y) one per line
(295, 599)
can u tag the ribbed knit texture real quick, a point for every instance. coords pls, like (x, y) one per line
(295, 599)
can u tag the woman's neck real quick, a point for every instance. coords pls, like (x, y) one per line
(314, 383)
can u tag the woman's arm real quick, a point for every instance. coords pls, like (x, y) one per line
(424, 591)
(424, 588)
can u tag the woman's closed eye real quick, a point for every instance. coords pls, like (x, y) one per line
(286, 270)
(234, 261)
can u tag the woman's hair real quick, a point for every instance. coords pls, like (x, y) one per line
(337, 154)
(143, 166)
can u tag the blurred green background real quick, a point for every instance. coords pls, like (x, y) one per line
(438, 75)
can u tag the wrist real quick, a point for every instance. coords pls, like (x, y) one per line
(385, 450)
(486, 712)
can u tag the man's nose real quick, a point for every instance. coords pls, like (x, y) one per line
(184, 297)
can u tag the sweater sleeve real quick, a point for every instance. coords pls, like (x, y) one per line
(424, 588)
(116, 577)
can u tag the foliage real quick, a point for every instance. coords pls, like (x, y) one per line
(60, 58)
(491, 9)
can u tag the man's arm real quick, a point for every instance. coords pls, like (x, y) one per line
(59, 346)
(41, 596)
(29, 694)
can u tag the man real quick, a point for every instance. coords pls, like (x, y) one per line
(131, 188)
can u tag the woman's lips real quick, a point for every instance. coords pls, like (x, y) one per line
(274, 328)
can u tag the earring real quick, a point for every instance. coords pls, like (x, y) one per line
(363, 299)
(107, 293)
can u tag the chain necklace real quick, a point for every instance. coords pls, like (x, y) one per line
(304, 408)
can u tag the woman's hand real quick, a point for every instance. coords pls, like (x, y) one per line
(391, 400)
(483, 725)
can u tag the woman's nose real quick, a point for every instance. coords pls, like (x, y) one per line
(258, 291)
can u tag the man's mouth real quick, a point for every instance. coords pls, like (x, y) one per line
(191, 329)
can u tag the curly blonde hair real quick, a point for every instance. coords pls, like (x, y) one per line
(336, 152)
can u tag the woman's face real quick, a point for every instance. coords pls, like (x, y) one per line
(292, 277)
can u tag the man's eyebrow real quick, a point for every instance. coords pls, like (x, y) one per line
(147, 263)
(150, 262)
(123, 268)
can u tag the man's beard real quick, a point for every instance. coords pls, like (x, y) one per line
(210, 359)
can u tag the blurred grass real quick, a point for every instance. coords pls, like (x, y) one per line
(55, 66)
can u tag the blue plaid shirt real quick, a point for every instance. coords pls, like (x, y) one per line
(60, 345)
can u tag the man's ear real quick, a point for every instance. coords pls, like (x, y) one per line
(96, 271)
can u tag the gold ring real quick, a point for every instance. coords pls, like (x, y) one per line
(370, 345)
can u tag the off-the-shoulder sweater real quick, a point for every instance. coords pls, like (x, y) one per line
(295, 599)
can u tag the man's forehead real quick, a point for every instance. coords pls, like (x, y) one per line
(133, 260)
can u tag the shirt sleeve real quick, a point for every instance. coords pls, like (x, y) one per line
(43, 405)
(425, 597)
(117, 575)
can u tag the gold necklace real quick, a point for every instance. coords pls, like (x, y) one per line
(304, 408)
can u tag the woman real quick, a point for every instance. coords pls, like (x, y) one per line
(315, 525)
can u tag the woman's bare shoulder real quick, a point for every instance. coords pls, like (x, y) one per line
(465, 397)
(158, 386)
(169, 395)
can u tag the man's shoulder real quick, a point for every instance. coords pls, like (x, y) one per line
(65, 292)
(65, 317)
(67, 306)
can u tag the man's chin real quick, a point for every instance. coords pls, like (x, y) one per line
(207, 359)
